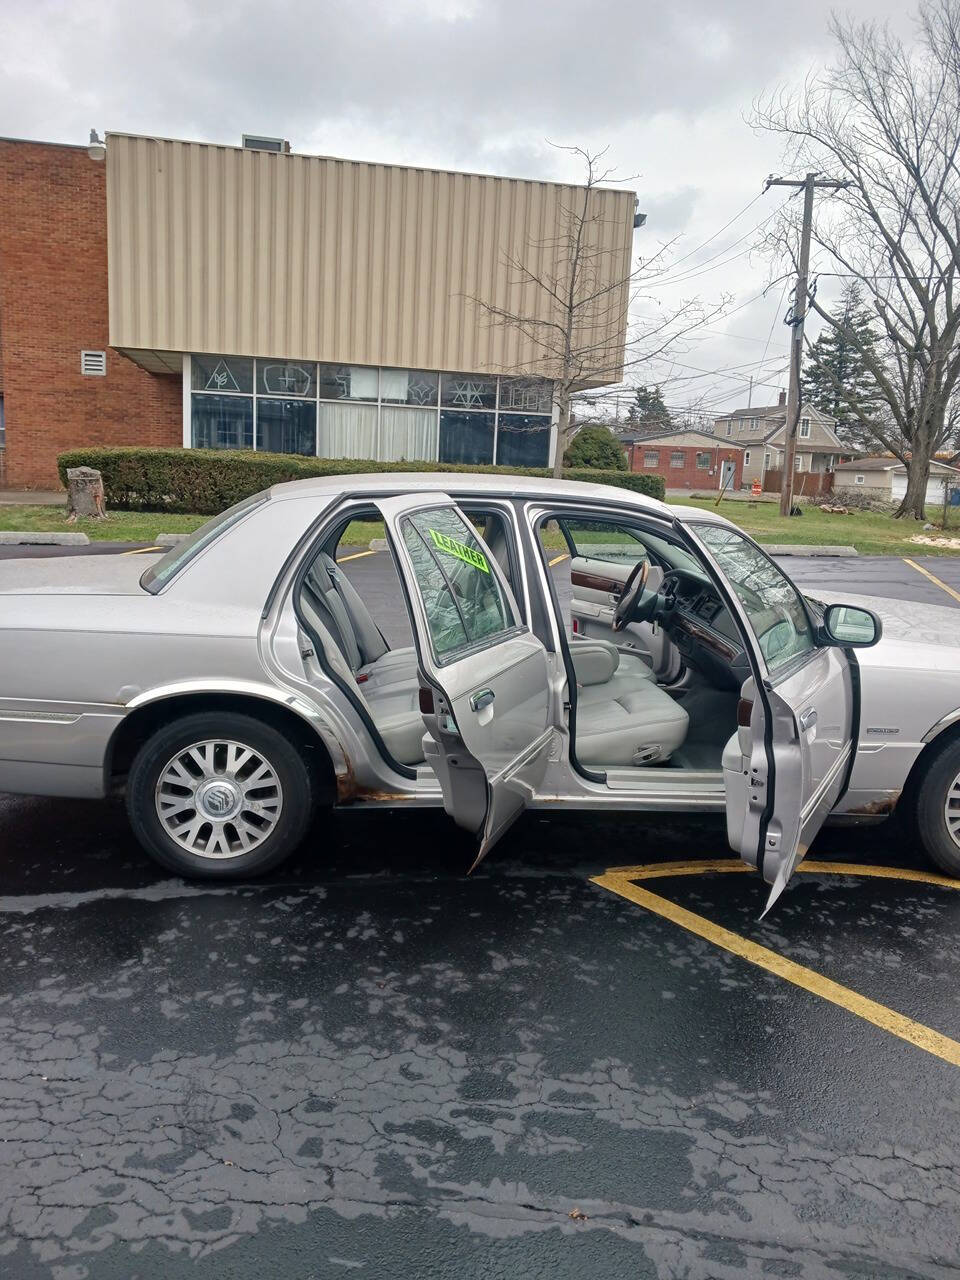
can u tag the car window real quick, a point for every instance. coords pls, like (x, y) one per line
(462, 597)
(620, 544)
(770, 600)
(605, 540)
(178, 557)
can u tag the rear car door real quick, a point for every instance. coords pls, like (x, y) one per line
(788, 763)
(485, 694)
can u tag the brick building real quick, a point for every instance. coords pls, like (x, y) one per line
(688, 459)
(53, 308)
(179, 293)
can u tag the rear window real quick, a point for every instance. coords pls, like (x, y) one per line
(178, 557)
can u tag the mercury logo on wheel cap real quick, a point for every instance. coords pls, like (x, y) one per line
(218, 800)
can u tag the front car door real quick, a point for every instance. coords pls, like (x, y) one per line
(485, 694)
(789, 762)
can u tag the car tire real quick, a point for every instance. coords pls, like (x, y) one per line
(220, 796)
(940, 777)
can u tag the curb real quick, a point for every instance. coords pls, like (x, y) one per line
(170, 539)
(378, 544)
(12, 538)
(801, 549)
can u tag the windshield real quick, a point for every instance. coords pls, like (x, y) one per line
(178, 557)
(771, 602)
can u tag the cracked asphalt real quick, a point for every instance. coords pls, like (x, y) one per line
(370, 1063)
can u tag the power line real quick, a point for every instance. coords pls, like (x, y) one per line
(709, 239)
(701, 268)
(773, 322)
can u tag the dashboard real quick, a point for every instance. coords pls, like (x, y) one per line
(700, 625)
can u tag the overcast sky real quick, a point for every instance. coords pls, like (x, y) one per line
(473, 84)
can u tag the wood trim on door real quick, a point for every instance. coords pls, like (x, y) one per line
(596, 582)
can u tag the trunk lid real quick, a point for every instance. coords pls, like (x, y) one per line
(99, 575)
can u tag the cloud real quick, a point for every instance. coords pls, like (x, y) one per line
(474, 84)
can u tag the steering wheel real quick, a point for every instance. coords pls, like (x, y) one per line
(631, 595)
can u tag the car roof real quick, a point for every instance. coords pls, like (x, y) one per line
(470, 482)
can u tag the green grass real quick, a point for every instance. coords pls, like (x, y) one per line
(870, 532)
(119, 526)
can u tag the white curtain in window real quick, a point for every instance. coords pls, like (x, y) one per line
(347, 431)
(394, 384)
(363, 383)
(408, 435)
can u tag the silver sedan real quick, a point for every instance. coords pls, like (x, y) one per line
(237, 684)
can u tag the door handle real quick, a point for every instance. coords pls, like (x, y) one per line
(482, 699)
(807, 719)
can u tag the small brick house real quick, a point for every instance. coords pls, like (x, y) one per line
(688, 459)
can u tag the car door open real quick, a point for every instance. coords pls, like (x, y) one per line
(789, 761)
(485, 694)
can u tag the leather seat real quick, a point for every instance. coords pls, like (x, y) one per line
(388, 684)
(623, 717)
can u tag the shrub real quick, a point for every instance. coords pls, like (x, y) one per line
(597, 447)
(206, 481)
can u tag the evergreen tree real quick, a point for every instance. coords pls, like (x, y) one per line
(836, 376)
(596, 446)
(648, 412)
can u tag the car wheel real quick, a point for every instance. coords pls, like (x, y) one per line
(937, 809)
(219, 795)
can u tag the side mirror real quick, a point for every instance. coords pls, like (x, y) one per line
(850, 627)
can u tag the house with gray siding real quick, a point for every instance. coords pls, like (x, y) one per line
(760, 430)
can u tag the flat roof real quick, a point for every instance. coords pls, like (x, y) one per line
(380, 164)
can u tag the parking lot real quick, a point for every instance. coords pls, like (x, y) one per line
(588, 1059)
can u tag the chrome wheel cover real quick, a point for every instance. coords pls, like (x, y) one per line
(951, 810)
(218, 799)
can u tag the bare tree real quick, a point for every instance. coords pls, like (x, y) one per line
(886, 118)
(577, 309)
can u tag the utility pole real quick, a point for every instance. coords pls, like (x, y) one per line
(809, 186)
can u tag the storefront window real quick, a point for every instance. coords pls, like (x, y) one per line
(286, 426)
(347, 431)
(523, 440)
(358, 411)
(408, 434)
(468, 391)
(408, 386)
(222, 374)
(348, 382)
(525, 395)
(466, 437)
(287, 378)
(222, 422)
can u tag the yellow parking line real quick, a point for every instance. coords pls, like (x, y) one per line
(357, 555)
(933, 578)
(141, 551)
(556, 560)
(622, 881)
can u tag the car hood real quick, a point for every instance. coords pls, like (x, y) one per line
(74, 575)
(909, 626)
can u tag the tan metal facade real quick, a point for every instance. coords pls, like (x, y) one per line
(218, 249)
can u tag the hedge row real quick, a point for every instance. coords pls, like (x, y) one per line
(206, 481)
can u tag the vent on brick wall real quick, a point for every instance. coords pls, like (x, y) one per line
(93, 364)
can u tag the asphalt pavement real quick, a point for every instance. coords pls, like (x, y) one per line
(371, 1063)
